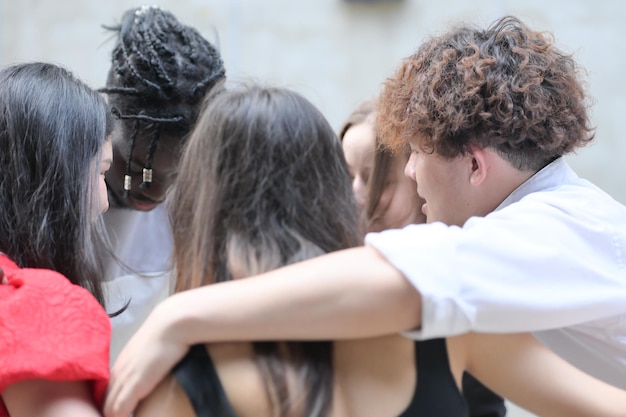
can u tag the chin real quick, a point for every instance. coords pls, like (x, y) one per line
(142, 206)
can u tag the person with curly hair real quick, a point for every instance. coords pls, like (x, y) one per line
(390, 202)
(515, 241)
(242, 206)
(160, 72)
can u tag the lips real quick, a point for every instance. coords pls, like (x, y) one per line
(142, 203)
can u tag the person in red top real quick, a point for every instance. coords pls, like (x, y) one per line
(54, 331)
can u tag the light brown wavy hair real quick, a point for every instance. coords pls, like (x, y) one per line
(507, 87)
(262, 184)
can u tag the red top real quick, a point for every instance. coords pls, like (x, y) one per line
(51, 329)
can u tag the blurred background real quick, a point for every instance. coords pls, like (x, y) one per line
(337, 52)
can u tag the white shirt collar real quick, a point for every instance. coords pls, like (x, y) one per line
(551, 176)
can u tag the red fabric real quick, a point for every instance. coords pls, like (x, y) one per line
(51, 329)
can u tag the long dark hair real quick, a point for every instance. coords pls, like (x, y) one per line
(263, 183)
(52, 126)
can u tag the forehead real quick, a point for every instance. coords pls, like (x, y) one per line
(359, 140)
(107, 149)
(123, 132)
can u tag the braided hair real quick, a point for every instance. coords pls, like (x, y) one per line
(161, 71)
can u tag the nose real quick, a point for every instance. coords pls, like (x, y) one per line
(359, 188)
(409, 168)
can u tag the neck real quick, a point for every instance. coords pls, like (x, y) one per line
(506, 180)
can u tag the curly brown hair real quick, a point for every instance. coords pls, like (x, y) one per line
(507, 87)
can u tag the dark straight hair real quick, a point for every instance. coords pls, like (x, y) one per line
(263, 183)
(52, 127)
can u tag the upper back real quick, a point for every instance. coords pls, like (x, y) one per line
(372, 377)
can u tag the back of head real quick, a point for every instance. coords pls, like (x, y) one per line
(263, 183)
(263, 180)
(161, 68)
(52, 126)
(506, 87)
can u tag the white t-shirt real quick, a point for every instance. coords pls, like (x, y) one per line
(549, 260)
(144, 242)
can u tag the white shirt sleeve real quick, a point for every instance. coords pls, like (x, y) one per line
(529, 267)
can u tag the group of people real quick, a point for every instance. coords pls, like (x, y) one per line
(439, 239)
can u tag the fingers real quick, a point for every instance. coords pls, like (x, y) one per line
(134, 376)
(124, 391)
(118, 403)
(149, 355)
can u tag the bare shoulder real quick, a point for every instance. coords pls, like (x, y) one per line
(168, 399)
(240, 377)
(38, 397)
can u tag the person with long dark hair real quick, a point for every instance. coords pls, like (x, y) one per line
(54, 331)
(262, 184)
(160, 71)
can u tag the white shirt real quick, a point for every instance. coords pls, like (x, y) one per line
(143, 242)
(550, 260)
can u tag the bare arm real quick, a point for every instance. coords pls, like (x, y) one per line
(521, 369)
(348, 294)
(43, 398)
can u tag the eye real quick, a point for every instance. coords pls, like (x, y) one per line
(366, 176)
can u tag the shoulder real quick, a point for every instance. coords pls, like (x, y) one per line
(51, 293)
(50, 328)
(167, 399)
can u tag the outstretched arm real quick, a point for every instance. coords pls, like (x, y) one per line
(44, 398)
(521, 369)
(347, 294)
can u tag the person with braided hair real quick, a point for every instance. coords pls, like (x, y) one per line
(160, 73)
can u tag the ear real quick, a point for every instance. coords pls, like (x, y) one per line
(479, 160)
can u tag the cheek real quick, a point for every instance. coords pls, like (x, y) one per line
(104, 197)
(399, 209)
(383, 202)
(115, 175)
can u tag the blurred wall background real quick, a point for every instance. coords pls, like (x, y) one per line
(337, 52)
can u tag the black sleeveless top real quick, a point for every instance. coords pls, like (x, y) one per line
(436, 393)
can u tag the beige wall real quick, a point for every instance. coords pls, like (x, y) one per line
(337, 53)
